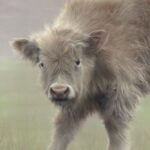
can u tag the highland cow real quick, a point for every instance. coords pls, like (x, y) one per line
(94, 59)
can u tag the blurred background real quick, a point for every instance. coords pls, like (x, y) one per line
(26, 115)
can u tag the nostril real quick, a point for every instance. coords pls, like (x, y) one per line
(52, 91)
(66, 91)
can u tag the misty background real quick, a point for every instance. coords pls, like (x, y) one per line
(19, 18)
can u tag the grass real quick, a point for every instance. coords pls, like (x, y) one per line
(26, 115)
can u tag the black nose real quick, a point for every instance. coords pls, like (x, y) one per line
(59, 92)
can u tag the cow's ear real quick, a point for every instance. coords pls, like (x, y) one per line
(98, 38)
(27, 49)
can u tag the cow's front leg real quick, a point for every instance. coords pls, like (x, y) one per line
(118, 133)
(65, 127)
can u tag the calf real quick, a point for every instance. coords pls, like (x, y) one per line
(95, 58)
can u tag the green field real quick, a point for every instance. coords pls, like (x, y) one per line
(26, 115)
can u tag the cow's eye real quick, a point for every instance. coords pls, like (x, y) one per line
(41, 65)
(77, 62)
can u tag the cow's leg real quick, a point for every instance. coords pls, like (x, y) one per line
(117, 133)
(65, 127)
